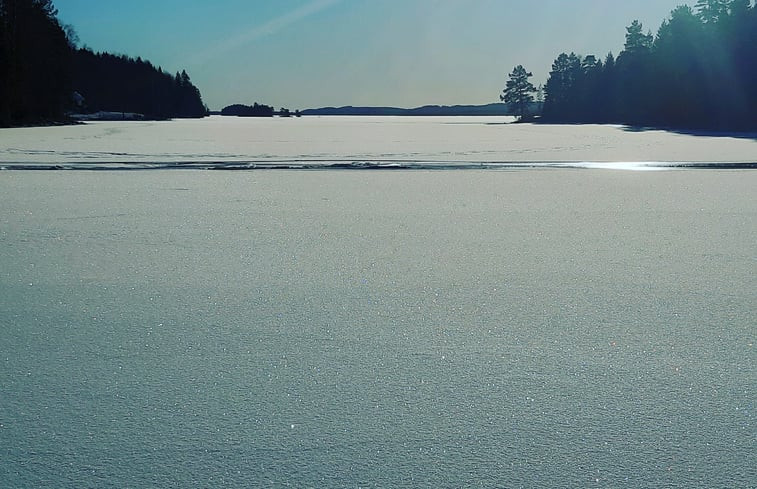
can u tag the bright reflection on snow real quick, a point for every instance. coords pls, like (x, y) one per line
(627, 165)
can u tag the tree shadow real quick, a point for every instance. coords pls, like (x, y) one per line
(518, 122)
(627, 128)
(695, 132)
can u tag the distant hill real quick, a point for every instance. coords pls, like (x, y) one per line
(427, 110)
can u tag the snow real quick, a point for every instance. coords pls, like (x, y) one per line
(435, 140)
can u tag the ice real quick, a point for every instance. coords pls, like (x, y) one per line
(363, 141)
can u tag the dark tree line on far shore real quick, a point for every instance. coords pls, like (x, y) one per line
(43, 75)
(256, 110)
(698, 72)
(123, 84)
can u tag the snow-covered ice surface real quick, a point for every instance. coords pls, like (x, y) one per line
(355, 142)
(344, 329)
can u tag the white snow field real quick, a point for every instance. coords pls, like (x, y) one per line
(527, 328)
(317, 140)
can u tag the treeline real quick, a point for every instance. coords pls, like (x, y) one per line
(699, 71)
(256, 110)
(122, 84)
(43, 75)
(35, 60)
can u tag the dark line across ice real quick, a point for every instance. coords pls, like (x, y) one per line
(377, 165)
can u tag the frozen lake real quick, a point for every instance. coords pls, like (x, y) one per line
(534, 328)
(376, 140)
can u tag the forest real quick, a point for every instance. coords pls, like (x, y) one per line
(698, 72)
(256, 110)
(44, 75)
(122, 84)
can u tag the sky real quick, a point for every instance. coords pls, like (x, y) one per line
(315, 53)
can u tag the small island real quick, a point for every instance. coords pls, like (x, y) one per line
(256, 110)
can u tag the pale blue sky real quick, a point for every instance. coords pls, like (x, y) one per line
(313, 53)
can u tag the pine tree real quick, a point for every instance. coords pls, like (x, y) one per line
(518, 92)
(636, 40)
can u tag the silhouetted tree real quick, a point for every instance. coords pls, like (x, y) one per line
(518, 92)
(34, 63)
(562, 87)
(634, 74)
(607, 93)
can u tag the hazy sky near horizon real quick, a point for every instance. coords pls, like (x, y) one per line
(315, 53)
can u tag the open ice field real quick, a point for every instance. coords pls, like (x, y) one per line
(545, 327)
(408, 141)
